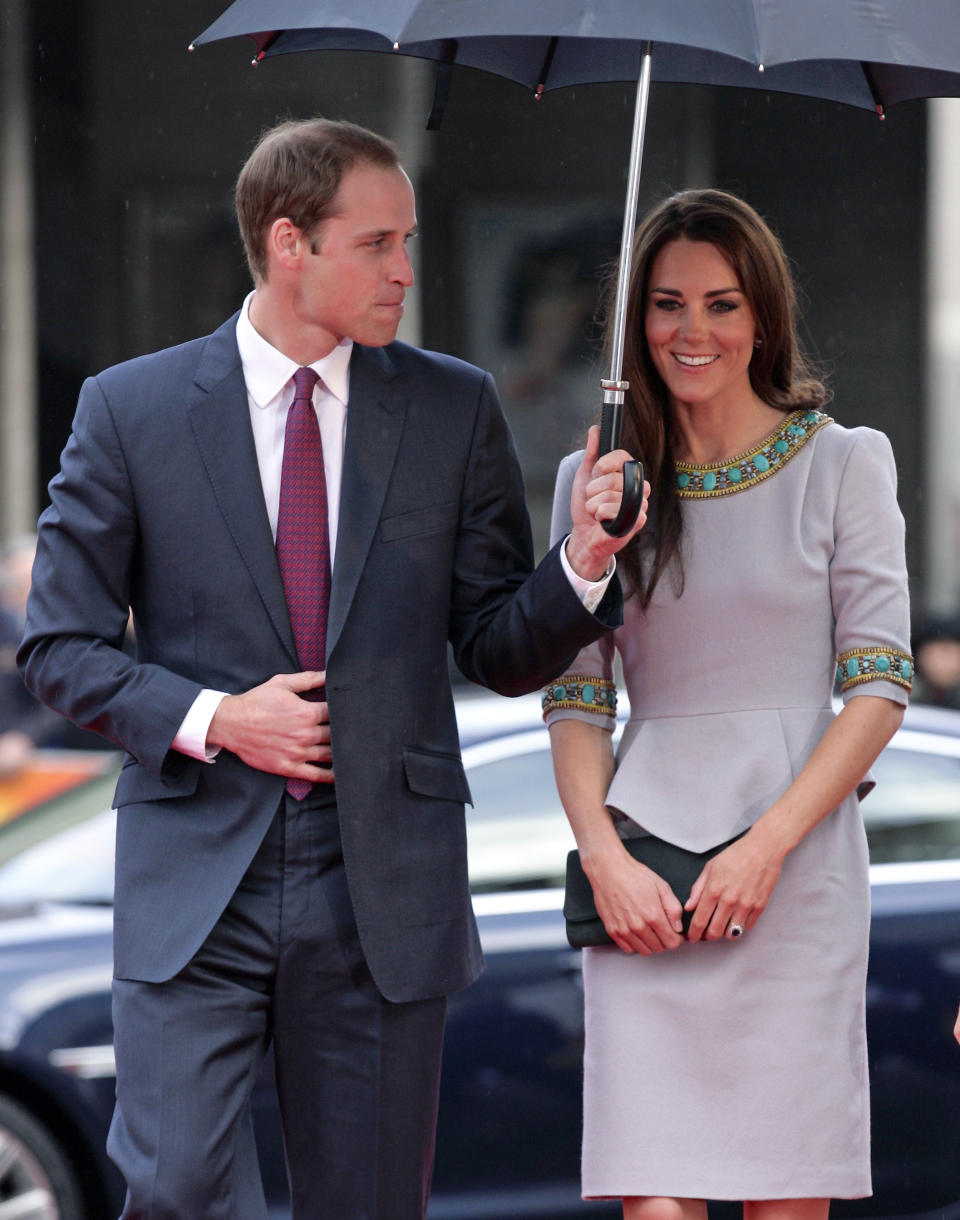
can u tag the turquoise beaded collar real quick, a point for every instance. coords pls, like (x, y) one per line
(747, 469)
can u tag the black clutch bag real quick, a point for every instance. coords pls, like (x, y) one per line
(676, 865)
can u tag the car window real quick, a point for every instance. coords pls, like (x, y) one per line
(914, 811)
(517, 834)
(74, 865)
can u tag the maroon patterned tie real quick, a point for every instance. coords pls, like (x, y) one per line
(303, 536)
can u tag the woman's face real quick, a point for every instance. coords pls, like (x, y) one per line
(699, 327)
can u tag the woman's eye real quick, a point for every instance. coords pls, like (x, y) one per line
(723, 306)
(666, 304)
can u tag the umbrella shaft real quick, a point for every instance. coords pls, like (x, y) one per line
(630, 214)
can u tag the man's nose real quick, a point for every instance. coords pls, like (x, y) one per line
(402, 270)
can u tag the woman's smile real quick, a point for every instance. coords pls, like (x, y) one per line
(694, 362)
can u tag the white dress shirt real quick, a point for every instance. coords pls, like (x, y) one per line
(268, 374)
(269, 377)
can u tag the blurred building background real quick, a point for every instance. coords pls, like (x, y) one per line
(119, 150)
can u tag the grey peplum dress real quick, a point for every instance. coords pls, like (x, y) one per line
(738, 1069)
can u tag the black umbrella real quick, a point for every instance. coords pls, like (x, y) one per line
(870, 55)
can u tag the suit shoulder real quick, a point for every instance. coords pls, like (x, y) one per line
(149, 362)
(421, 362)
(178, 360)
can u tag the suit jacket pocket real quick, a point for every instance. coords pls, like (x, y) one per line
(136, 783)
(438, 775)
(421, 521)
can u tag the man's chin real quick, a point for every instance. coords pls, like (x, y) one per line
(378, 336)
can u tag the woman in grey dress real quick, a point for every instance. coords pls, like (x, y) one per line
(731, 1064)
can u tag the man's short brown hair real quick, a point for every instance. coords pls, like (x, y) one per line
(295, 172)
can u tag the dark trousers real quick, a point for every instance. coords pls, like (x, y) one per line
(357, 1076)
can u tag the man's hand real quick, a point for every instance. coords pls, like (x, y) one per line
(272, 729)
(595, 498)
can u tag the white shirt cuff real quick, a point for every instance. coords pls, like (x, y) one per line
(590, 592)
(192, 736)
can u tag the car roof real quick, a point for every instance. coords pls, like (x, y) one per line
(483, 715)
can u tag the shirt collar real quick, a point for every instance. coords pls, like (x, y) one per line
(266, 370)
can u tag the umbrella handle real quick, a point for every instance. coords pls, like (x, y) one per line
(631, 500)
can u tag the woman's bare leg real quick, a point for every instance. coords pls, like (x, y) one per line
(787, 1209)
(651, 1207)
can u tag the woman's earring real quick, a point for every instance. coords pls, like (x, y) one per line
(757, 343)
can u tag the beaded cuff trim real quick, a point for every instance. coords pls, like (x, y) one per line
(583, 694)
(868, 664)
(747, 469)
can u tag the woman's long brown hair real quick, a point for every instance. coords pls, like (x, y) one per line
(780, 373)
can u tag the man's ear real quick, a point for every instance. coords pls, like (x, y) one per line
(285, 243)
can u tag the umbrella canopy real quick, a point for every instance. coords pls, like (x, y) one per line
(866, 53)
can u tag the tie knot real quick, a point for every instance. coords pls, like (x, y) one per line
(304, 379)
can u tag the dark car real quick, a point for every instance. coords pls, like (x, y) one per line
(509, 1134)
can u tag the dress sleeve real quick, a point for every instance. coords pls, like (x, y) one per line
(868, 576)
(587, 691)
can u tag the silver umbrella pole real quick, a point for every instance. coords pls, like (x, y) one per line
(614, 386)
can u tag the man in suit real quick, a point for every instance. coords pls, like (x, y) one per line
(293, 869)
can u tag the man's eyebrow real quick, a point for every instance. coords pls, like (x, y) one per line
(370, 234)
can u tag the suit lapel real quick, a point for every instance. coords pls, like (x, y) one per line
(219, 415)
(374, 425)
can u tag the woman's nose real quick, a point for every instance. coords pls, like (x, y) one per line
(694, 323)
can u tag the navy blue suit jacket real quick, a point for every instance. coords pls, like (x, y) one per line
(158, 506)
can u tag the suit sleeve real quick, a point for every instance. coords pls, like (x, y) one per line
(512, 627)
(72, 654)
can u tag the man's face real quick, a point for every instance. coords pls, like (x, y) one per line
(356, 268)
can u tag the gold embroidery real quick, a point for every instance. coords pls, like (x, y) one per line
(747, 469)
(581, 693)
(859, 665)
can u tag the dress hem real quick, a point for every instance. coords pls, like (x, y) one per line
(728, 1197)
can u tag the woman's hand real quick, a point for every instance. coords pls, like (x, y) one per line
(639, 910)
(734, 888)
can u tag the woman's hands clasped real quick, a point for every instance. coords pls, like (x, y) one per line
(643, 915)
